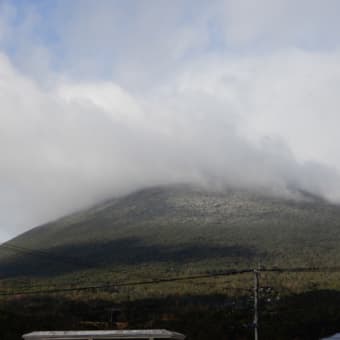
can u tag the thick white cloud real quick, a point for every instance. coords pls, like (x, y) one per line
(291, 94)
(252, 122)
(101, 98)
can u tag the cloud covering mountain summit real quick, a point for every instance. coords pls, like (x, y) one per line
(92, 107)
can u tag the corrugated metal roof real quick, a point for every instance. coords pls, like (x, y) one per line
(125, 334)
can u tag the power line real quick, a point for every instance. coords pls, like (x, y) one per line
(29, 291)
(232, 272)
(130, 284)
(70, 260)
(189, 277)
(334, 269)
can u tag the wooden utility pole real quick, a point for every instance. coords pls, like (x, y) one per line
(256, 304)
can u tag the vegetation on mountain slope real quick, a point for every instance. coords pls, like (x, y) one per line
(182, 227)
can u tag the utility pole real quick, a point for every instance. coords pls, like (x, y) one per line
(256, 304)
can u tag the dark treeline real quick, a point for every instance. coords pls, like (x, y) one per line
(309, 315)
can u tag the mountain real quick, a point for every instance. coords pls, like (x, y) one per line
(181, 226)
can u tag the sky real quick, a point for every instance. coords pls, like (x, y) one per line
(100, 98)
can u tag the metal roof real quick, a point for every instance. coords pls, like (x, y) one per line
(125, 334)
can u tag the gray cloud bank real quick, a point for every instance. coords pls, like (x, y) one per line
(251, 123)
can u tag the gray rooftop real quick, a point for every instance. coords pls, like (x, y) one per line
(92, 335)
